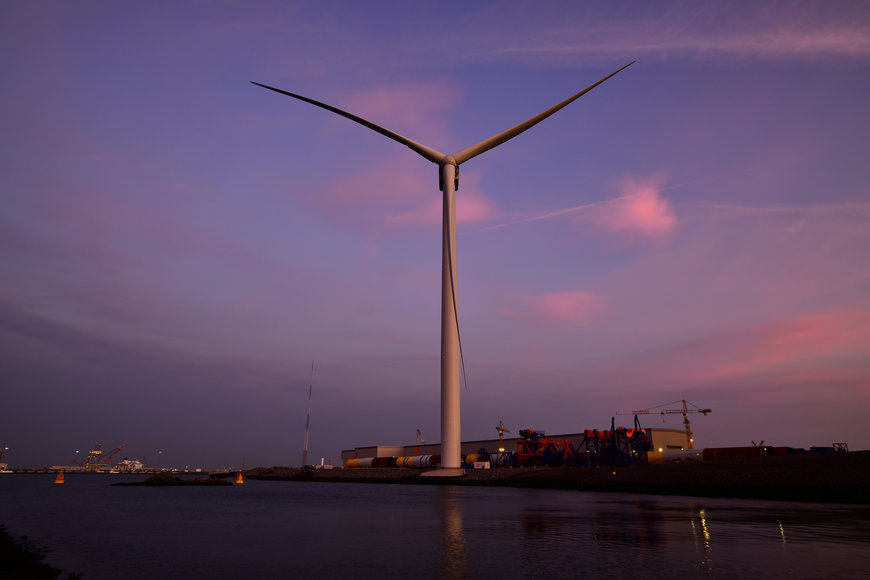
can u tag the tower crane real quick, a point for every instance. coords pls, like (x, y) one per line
(501, 431)
(684, 410)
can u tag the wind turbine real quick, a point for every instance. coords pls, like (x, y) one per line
(448, 182)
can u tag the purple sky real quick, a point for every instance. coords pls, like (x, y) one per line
(177, 244)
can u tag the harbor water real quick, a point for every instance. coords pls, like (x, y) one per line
(270, 529)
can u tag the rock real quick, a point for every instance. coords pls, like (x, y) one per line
(166, 478)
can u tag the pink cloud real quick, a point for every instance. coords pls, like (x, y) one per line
(823, 347)
(571, 308)
(639, 210)
(415, 110)
(472, 206)
(367, 198)
(802, 347)
(391, 191)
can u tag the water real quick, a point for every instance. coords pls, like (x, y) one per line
(333, 530)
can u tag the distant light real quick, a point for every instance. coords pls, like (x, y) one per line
(660, 449)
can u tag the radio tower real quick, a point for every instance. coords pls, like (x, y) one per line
(307, 418)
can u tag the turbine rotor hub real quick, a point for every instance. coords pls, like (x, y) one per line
(448, 160)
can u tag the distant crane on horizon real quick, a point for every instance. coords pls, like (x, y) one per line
(501, 431)
(112, 453)
(684, 410)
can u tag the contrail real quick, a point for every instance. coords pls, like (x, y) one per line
(558, 212)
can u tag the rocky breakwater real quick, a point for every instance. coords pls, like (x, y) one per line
(168, 479)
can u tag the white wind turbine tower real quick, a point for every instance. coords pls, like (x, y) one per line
(448, 179)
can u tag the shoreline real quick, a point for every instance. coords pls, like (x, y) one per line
(842, 478)
(21, 562)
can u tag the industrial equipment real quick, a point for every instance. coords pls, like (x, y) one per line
(96, 461)
(95, 458)
(618, 446)
(684, 411)
(534, 449)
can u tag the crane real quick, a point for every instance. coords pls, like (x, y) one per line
(112, 453)
(420, 437)
(684, 410)
(501, 431)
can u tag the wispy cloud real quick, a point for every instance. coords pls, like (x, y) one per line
(853, 43)
(547, 215)
(852, 218)
(756, 31)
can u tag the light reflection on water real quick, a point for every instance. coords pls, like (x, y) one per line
(321, 530)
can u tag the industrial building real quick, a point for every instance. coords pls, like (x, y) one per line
(661, 439)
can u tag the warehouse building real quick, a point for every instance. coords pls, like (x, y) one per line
(661, 439)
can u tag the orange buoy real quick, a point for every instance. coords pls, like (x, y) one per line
(59, 479)
(239, 480)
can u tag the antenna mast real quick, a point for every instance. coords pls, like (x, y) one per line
(308, 418)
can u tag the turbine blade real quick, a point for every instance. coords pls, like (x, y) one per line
(496, 140)
(427, 152)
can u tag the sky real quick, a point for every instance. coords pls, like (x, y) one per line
(178, 245)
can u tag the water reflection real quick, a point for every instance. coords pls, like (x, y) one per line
(322, 530)
(451, 550)
(706, 563)
(697, 536)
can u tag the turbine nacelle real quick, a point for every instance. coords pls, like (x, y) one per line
(448, 160)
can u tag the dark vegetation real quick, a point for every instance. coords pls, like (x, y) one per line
(20, 563)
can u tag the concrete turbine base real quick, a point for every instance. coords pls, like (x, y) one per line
(444, 472)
